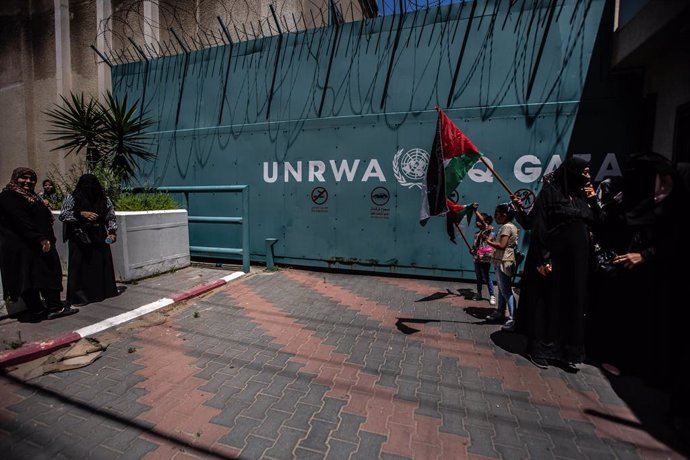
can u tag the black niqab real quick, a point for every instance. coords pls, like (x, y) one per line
(570, 176)
(639, 183)
(89, 196)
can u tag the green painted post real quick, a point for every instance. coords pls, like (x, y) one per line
(245, 229)
(269, 252)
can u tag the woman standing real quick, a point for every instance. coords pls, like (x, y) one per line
(555, 281)
(503, 260)
(28, 259)
(90, 229)
(49, 195)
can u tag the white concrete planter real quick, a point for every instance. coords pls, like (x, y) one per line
(148, 243)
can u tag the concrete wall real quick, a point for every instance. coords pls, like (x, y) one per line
(148, 243)
(669, 78)
(655, 38)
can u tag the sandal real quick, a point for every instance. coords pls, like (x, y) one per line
(64, 311)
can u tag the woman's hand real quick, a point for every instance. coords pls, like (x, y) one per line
(45, 245)
(588, 189)
(88, 215)
(629, 260)
(112, 237)
(544, 270)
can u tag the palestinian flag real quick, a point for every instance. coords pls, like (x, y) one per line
(460, 215)
(452, 156)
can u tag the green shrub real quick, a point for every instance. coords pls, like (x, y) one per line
(109, 178)
(145, 202)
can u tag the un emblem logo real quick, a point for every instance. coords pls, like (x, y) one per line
(409, 168)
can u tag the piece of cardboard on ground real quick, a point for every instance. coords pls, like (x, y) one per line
(79, 354)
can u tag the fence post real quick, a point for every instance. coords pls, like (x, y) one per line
(245, 229)
(269, 252)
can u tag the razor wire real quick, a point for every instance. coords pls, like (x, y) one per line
(128, 34)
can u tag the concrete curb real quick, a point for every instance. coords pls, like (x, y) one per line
(35, 350)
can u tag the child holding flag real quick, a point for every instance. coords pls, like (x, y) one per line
(482, 252)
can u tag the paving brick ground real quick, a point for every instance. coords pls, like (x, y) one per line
(13, 329)
(300, 364)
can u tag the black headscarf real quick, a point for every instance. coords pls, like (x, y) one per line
(569, 176)
(89, 196)
(639, 183)
(563, 197)
(31, 196)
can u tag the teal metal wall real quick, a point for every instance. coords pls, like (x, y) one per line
(326, 125)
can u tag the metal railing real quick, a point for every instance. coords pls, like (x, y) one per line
(243, 220)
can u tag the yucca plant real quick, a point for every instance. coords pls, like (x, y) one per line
(77, 124)
(123, 141)
(111, 132)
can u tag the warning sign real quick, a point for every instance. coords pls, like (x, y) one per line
(380, 196)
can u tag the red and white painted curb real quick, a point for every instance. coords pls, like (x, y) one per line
(37, 349)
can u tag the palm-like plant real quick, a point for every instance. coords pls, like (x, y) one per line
(77, 124)
(111, 132)
(123, 141)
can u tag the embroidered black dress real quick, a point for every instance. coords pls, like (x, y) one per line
(90, 273)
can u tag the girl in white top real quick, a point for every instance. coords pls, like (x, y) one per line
(504, 264)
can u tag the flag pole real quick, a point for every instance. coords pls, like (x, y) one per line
(488, 166)
(463, 236)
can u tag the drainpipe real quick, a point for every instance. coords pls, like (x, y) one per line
(104, 42)
(63, 58)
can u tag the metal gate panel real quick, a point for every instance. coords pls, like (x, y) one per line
(359, 98)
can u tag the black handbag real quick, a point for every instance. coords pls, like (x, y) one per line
(603, 261)
(81, 236)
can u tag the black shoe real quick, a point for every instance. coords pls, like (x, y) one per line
(541, 363)
(573, 367)
(496, 317)
(33, 317)
(64, 311)
(569, 367)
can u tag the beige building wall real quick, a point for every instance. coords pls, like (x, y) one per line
(45, 51)
(27, 83)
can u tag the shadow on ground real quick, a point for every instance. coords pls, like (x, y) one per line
(650, 405)
(480, 313)
(467, 294)
(402, 326)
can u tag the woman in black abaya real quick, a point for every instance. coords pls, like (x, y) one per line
(553, 299)
(29, 263)
(649, 333)
(90, 220)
